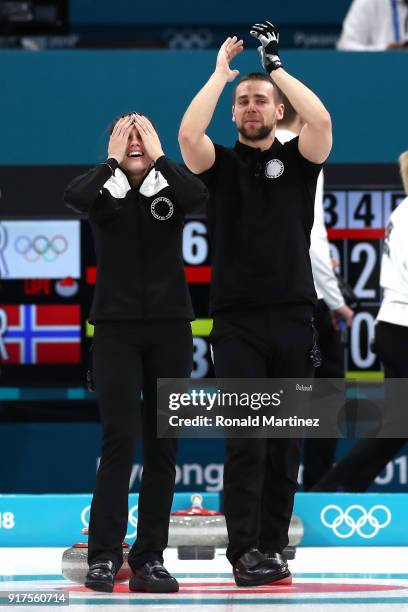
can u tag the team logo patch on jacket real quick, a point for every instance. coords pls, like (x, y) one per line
(274, 169)
(162, 208)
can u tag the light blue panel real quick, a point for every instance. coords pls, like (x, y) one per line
(57, 520)
(55, 107)
(365, 519)
(348, 519)
(54, 520)
(10, 393)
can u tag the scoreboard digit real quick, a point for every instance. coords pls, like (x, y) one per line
(334, 204)
(362, 335)
(337, 255)
(195, 243)
(200, 358)
(391, 201)
(364, 209)
(364, 268)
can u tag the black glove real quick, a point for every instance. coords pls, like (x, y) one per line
(347, 292)
(267, 34)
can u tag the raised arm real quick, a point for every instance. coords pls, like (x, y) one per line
(190, 192)
(196, 147)
(315, 139)
(84, 190)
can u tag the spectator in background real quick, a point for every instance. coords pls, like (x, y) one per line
(319, 453)
(375, 25)
(361, 466)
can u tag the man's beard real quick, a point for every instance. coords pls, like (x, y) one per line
(262, 132)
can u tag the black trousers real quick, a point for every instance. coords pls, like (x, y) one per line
(128, 357)
(260, 475)
(357, 470)
(319, 453)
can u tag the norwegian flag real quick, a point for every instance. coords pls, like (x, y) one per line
(40, 334)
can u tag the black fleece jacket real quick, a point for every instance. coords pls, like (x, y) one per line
(138, 233)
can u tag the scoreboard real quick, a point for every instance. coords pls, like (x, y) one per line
(48, 273)
(356, 221)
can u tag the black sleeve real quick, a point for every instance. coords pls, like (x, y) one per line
(309, 169)
(208, 176)
(189, 190)
(82, 193)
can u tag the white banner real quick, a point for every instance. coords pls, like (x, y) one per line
(39, 249)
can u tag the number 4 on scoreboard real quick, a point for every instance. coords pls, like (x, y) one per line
(365, 209)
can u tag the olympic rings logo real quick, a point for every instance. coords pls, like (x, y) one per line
(40, 246)
(132, 518)
(377, 518)
(188, 38)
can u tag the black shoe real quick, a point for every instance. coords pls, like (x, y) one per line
(153, 577)
(254, 568)
(101, 576)
(278, 560)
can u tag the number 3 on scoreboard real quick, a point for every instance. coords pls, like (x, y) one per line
(334, 203)
(200, 358)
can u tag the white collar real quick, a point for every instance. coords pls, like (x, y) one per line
(118, 184)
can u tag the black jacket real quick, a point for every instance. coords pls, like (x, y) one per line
(138, 235)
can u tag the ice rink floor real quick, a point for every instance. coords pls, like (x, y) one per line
(329, 578)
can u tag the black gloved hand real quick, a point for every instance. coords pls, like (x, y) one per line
(349, 296)
(267, 34)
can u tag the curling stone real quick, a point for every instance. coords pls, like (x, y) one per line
(197, 532)
(75, 563)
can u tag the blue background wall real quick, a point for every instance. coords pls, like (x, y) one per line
(62, 458)
(214, 12)
(55, 106)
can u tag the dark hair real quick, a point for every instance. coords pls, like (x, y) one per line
(114, 122)
(289, 114)
(260, 76)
